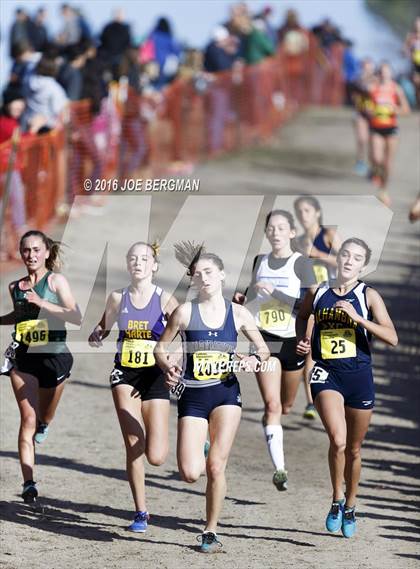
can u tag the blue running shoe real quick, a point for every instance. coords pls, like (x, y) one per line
(209, 542)
(29, 493)
(139, 524)
(41, 433)
(335, 516)
(361, 168)
(349, 523)
(206, 448)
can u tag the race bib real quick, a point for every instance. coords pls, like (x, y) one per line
(32, 332)
(211, 365)
(384, 112)
(321, 273)
(138, 353)
(338, 343)
(274, 315)
(416, 56)
(318, 375)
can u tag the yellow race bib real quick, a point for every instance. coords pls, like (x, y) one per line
(384, 112)
(416, 56)
(211, 365)
(274, 315)
(338, 343)
(32, 332)
(321, 273)
(138, 353)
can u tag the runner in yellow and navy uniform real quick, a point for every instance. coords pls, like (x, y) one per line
(138, 385)
(346, 314)
(38, 360)
(206, 384)
(363, 105)
(279, 280)
(412, 49)
(321, 245)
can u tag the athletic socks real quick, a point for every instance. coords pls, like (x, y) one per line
(274, 438)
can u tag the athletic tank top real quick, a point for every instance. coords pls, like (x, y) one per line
(139, 330)
(272, 315)
(208, 352)
(362, 99)
(337, 341)
(323, 271)
(415, 51)
(41, 334)
(385, 100)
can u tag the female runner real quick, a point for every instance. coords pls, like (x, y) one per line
(389, 101)
(363, 104)
(320, 244)
(38, 360)
(273, 295)
(211, 398)
(341, 382)
(138, 386)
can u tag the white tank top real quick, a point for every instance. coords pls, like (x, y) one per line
(272, 315)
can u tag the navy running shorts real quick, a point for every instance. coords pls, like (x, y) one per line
(49, 369)
(149, 383)
(356, 387)
(200, 401)
(284, 349)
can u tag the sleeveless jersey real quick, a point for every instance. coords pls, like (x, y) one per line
(337, 341)
(139, 330)
(46, 334)
(385, 100)
(208, 352)
(275, 316)
(322, 270)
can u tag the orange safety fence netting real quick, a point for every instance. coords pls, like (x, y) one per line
(158, 133)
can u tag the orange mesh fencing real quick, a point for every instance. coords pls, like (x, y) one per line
(159, 134)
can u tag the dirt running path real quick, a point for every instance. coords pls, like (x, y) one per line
(81, 467)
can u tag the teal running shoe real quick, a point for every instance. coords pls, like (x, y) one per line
(335, 516)
(310, 412)
(29, 493)
(209, 542)
(206, 448)
(139, 524)
(41, 433)
(348, 526)
(280, 480)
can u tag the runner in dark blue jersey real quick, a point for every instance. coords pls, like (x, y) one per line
(321, 245)
(137, 383)
(346, 314)
(211, 398)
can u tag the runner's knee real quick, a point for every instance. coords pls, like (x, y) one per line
(190, 473)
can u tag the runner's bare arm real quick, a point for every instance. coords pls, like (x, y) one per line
(109, 317)
(404, 107)
(177, 321)
(168, 303)
(246, 323)
(10, 317)
(303, 342)
(383, 327)
(68, 311)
